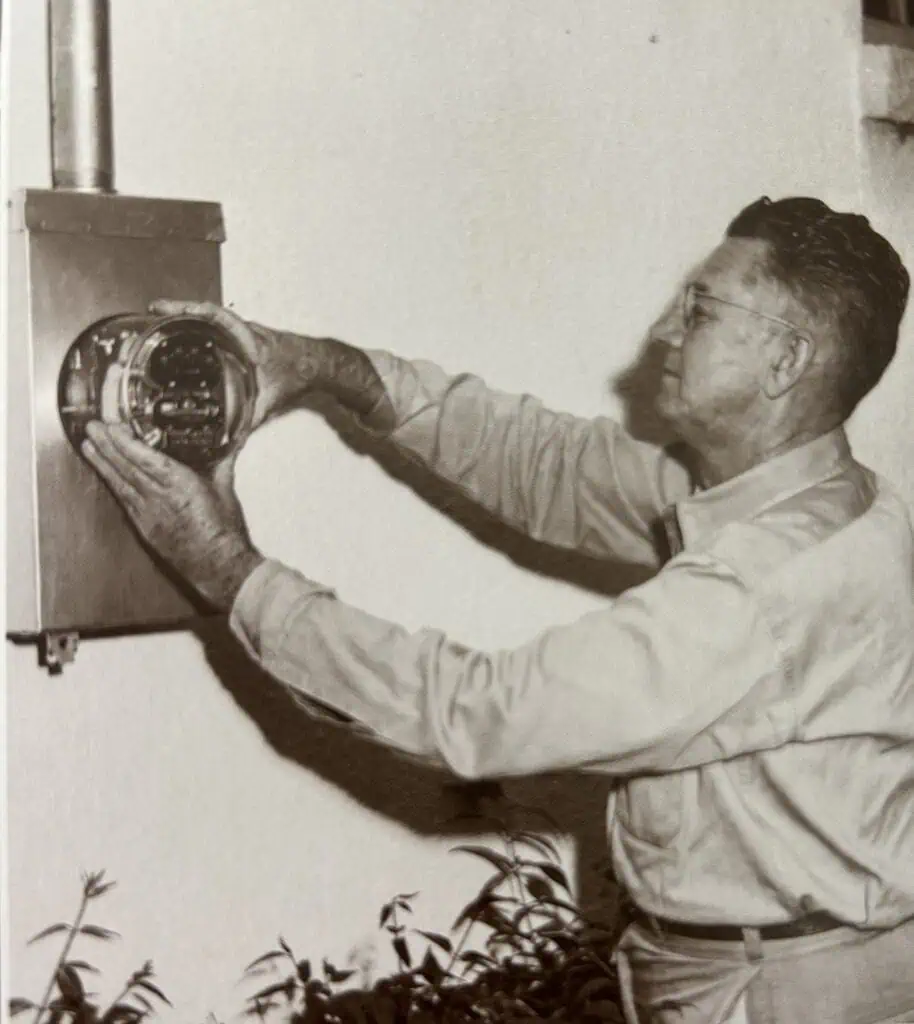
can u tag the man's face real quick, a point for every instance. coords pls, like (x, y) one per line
(717, 354)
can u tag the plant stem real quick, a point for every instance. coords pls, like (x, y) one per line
(393, 929)
(516, 877)
(127, 989)
(64, 953)
(458, 949)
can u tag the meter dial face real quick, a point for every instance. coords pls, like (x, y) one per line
(178, 382)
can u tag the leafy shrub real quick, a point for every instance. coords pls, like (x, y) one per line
(539, 958)
(65, 999)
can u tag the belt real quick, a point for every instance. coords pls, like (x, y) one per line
(812, 924)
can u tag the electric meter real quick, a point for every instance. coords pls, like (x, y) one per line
(181, 383)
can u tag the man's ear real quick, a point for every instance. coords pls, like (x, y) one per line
(793, 355)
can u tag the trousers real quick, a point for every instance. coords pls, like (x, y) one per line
(842, 976)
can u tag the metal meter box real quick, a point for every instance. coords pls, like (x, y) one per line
(74, 563)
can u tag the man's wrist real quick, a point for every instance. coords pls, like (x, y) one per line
(292, 368)
(331, 366)
(235, 566)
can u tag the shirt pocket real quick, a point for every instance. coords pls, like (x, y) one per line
(650, 808)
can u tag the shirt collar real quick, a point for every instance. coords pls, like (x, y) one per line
(705, 513)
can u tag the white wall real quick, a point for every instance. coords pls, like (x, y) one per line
(884, 425)
(508, 186)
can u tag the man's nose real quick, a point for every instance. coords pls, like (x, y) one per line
(669, 328)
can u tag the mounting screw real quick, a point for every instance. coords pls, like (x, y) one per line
(56, 650)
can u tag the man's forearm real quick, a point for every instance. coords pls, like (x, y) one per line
(637, 686)
(568, 481)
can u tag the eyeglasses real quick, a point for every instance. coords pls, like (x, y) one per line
(693, 295)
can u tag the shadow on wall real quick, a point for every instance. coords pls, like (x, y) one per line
(420, 797)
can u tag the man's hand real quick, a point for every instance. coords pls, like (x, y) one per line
(281, 361)
(288, 366)
(195, 524)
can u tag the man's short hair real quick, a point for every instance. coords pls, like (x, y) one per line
(844, 273)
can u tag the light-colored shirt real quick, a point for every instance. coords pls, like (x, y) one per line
(754, 699)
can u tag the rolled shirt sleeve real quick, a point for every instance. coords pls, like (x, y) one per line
(572, 482)
(642, 685)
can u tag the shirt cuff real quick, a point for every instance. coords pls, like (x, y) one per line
(387, 367)
(264, 603)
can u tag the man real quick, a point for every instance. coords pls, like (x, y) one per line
(754, 699)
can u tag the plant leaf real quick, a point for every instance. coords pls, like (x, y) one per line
(260, 1009)
(143, 1001)
(430, 969)
(476, 959)
(99, 889)
(545, 918)
(70, 983)
(441, 941)
(284, 946)
(539, 888)
(121, 1012)
(555, 873)
(497, 920)
(287, 988)
(303, 969)
(97, 932)
(497, 860)
(562, 938)
(536, 839)
(386, 913)
(55, 929)
(157, 992)
(274, 954)
(81, 965)
(17, 1006)
(478, 905)
(402, 950)
(563, 905)
(315, 988)
(64, 1005)
(92, 878)
(334, 975)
